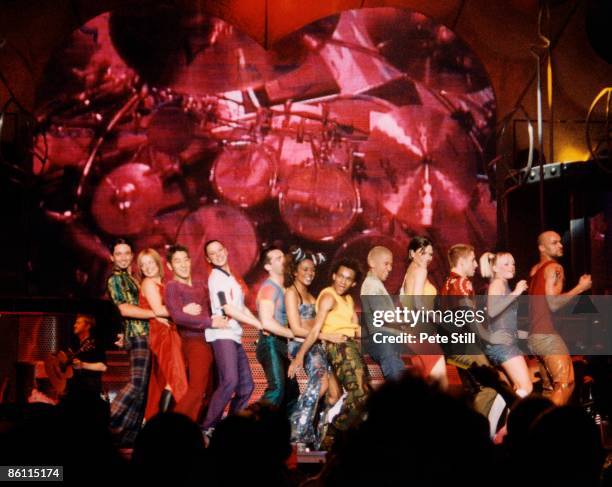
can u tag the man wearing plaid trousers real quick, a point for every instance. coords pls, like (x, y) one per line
(127, 410)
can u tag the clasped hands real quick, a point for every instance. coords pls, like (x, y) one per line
(194, 309)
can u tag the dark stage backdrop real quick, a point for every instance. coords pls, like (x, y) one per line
(362, 128)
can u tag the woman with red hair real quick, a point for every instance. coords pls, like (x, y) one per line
(168, 379)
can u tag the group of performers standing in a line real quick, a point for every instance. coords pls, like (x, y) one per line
(176, 328)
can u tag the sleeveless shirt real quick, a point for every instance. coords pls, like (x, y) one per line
(540, 317)
(339, 319)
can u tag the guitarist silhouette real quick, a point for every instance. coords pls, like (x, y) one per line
(78, 372)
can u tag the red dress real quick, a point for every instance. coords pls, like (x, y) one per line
(168, 364)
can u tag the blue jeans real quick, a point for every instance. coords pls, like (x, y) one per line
(388, 356)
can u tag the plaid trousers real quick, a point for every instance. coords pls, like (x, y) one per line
(127, 410)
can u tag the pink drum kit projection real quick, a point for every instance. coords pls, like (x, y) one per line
(245, 173)
(362, 128)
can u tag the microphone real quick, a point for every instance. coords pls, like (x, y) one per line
(222, 301)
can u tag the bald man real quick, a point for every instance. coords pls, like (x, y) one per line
(374, 296)
(547, 278)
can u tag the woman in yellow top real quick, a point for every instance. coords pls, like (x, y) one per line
(418, 292)
(336, 314)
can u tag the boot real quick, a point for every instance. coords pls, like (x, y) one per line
(165, 401)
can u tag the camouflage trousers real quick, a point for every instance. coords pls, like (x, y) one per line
(347, 363)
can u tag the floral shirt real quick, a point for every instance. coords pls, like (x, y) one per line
(458, 291)
(457, 285)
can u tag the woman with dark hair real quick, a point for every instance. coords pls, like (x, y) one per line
(418, 292)
(168, 378)
(300, 305)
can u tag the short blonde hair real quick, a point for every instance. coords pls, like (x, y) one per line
(155, 256)
(457, 251)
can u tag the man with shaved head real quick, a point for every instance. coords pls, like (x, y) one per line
(546, 289)
(374, 296)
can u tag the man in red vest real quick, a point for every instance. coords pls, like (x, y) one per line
(546, 289)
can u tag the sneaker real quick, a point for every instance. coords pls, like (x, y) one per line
(325, 419)
(208, 434)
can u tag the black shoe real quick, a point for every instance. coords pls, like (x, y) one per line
(331, 435)
(165, 401)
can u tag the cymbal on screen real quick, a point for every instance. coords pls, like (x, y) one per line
(127, 199)
(418, 160)
(426, 51)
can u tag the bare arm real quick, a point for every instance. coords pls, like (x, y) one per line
(151, 292)
(241, 314)
(126, 310)
(498, 301)
(244, 316)
(419, 279)
(132, 311)
(269, 323)
(553, 277)
(293, 314)
(326, 304)
(248, 312)
(405, 284)
(93, 366)
(332, 337)
(356, 322)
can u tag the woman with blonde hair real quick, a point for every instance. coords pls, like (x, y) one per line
(502, 305)
(168, 378)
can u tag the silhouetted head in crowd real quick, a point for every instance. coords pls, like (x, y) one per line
(522, 416)
(414, 434)
(251, 448)
(74, 434)
(170, 450)
(564, 448)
